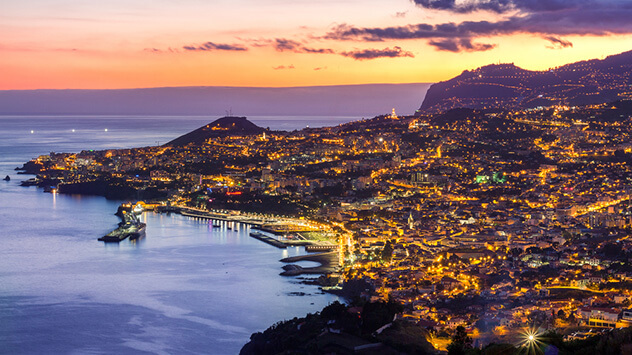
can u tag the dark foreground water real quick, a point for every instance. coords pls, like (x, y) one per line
(186, 288)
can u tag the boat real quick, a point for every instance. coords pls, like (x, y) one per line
(30, 182)
(7, 178)
(139, 232)
(131, 228)
(217, 226)
(138, 209)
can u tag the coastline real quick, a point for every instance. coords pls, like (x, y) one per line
(328, 264)
(118, 273)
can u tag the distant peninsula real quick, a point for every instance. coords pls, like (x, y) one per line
(334, 100)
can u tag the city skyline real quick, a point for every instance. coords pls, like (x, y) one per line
(85, 45)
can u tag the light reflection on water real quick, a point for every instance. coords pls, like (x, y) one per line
(183, 277)
(184, 288)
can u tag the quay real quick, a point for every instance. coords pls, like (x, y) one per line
(264, 238)
(280, 229)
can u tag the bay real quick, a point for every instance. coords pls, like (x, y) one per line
(186, 288)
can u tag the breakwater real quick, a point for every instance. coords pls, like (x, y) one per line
(329, 263)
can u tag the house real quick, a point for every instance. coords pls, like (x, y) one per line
(604, 317)
(455, 322)
(449, 282)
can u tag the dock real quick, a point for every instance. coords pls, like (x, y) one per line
(264, 238)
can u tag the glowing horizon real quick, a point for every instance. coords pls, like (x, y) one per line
(72, 44)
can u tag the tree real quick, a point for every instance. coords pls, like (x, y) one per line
(387, 252)
(460, 342)
(515, 252)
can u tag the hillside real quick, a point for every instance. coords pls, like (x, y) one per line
(221, 127)
(506, 86)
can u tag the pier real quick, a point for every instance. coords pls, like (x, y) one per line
(264, 238)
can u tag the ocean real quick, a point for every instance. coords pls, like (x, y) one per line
(186, 288)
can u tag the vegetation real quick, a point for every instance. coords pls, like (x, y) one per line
(339, 328)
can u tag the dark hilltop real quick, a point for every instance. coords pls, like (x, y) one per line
(224, 126)
(506, 86)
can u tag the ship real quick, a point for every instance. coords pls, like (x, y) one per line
(130, 228)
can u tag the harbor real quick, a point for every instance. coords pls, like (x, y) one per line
(304, 233)
(290, 231)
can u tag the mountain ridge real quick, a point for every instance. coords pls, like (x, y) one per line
(507, 86)
(227, 125)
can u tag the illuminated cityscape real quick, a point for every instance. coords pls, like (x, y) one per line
(488, 221)
(446, 177)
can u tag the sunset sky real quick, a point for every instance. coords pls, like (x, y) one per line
(152, 43)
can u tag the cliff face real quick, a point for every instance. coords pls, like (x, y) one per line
(221, 127)
(506, 86)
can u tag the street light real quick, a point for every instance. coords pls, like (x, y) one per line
(531, 341)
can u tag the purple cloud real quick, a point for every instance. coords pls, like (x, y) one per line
(283, 44)
(460, 45)
(280, 67)
(546, 18)
(502, 6)
(597, 22)
(557, 43)
(210, 46)
(364, 54)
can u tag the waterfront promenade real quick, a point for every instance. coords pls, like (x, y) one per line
(275, 225)
(280, 226)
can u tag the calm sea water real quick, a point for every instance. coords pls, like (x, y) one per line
(186, 288)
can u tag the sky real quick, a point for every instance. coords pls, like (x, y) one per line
(94, 44)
